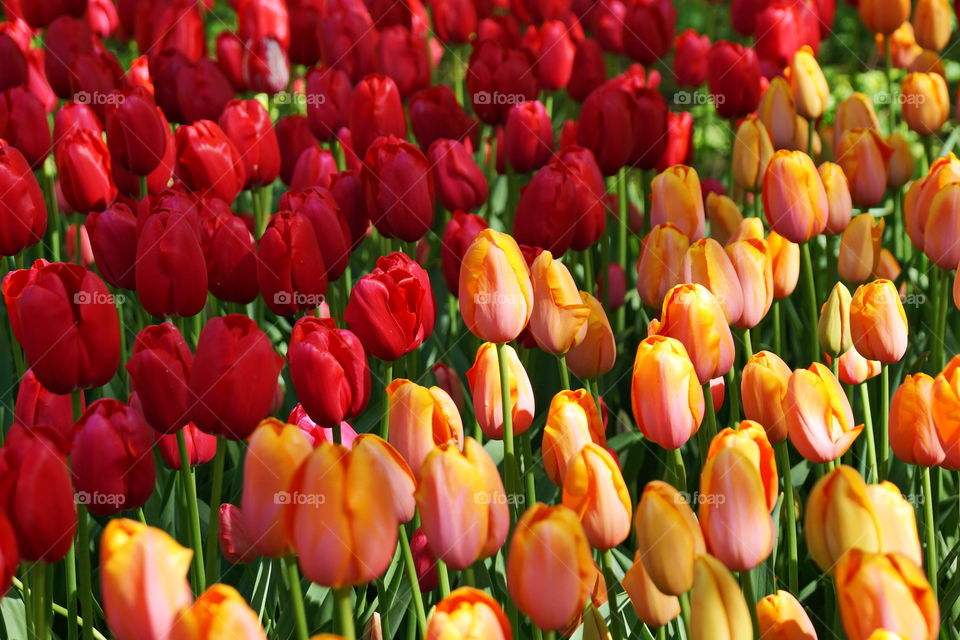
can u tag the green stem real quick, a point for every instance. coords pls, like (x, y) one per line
(776, 328)
(685, 612)
(786, 473)
(411, 572)
(810, 127)
(868, 427)
(70, 568)
(811, 291)
(624, 229)
(296, 597)
(509, 455)
(606, 561)
(444, 578)
(564, 372)
(53, 213)
(884, 421)
(40, 604)
(529, 463)
(343, 607)
(709, 413)
(193, 511)
(678, 471)
(929, 525)
(213, 531)
(85, 589)
(747, 346)
(56, 608)
(891, 113)
(143, 186)
(746, 583)
(385, 408)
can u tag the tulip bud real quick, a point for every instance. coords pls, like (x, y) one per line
(137, 132)
(900, 164)
(690, 58)
(878, 324)
(860, 248)
(484, 380)
(375, 111)
(660, 369)
(839, 204)
(83, 169)
(660, 266)
(898, 522)
(724, 217)
(754, 269)
(468, 613)
(718, 609)
(113, 241)
(552, 539)
(763, 388)
(854, 368)
(220, 611)
(706, 263)
(854, 111)
(170, 268)
(809, 87)
(234, 539)
(669, 538)
(819, 418)
(733, 74)
(778, 114)
(863, 155)
(208, 162)
(785, 256)
(594, 489)
(676, 198)
(559, 319)
(652, 607)
(781, 616)
(435, 114)
(931, 24)
(884, 16)
(926, 103)
(595, 355)
(201, 447)
(840, 516)
(528, 136)
(572, 422)
(692, 315)
(834, 327)
(421, 419)
(460, 182)
(249, 127)
(913, 436)
(23, 212)
(794, 199)
(36, 406)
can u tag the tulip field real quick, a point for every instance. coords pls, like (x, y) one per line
(479, 320)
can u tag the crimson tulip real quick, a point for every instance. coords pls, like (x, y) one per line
(454, 20)
(398, 188)
(208, 162)
(459, 181)
(679, 140)
(264, 66)
(23, 212)
(229, 48)
(690, 59)
(330, 225)
(263, 18)
(23, 124)
(528, 136)
(290, 267)
(231, 258)
(458, 235)
(498, 78)
(83, 168)
(113, 240)
(403, 56)
(328, 101)
(162, 26)
(546, 215)
(435, 113)
(137, 132)
(648, 29)
(171, 272)
(202, 91)
(733, 74)
(159, 369)
(38, 407)
(66, 38)
(589, 69)
(375, 110)
(249, 127)
(293, 136)
(201, 447)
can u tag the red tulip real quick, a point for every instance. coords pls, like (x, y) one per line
(23, 213)
(137, 132)
(202, 91)
(606, 126)
(159, 368)
(328, 101)
(232, 262)
(40, 13)
(290, 267)
(375, 110)
(348, 38)
(435, 113)
(589, 69)
(589, 209)
(781, 28)
(201, 447)
(23, 124)
(93, 77)
(113, 240)
(171, 272)
(348, 192)
(460, 182)
(314, 168)
(10, 554)
(73, 115)
(403, 56)
(330, 226)
(66, 38)
(648, 29)
(690, 59)
(264, 66)
(555, 59)
(458, 235)
(304, 22)
(528, 136)
(293, 136)
(454, 20)
(263, 18)
(733, 73)
(498, 78)
(160, 25)
(230, 49)
(236, 542)
(208, 162)
(37, 407)
(83, 167)
(398, 188)
(679, 140)
(546, 215)
(249, 127)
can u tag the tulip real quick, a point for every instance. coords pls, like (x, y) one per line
(669, 538)
(819, 419)
(328, 101)
(854, 111)
(692, 315)
(461, 230)
(931, 23)
(72, 303)
(752, 263)
(496, 294)
(884, 16)
(9, 555)
(778, 113)
(398, 188)
(926, 103)
(794, 199)
(83, 168)
(170, 271)
(234, 377)
(920, 196)
(945, 407)
(23, 124)
(809, 87)
(294, 137)
(834, 326)
(201, 447)
(659, 267)
(781, 616)
(494, 71)
(460, 183)
(113, 240)
(733, 75)
(648, 30)
(23, 212)
(330, 225)
(435, 114)
(219, 612)
(676, 198)
(376, 452)
(785, 256)
(462, 503)
(594, 489)
(763, 389)
(752, 150)
(840, 516)
(375, 111)
(424, 561)
(860, 248)
(854, 368)
(143, 580)
(557, 50)
(421, 419)
(596, 353)
(863, 155)
(549, 207)
(718, 609)
(454, 22)
(208, 162)
(652, 607)
(247, 124)
(878, 324)
(35, 406)
(898, 522)
(839, 204)
(391, 309)
(403, 56)
(938, 237)
(607, 113)
(159, 368)
(137, 132)
(290, 267)
(528, 135)
(913, 435)
(551, 539)
(347, 533)
(572, 422)
(232, 262)
(468, 613)
(661, 367)
(706, 263)
(900, 164)
(724, 216)
(559, 318)
(690, 58)
(484, 380)
(885, 591)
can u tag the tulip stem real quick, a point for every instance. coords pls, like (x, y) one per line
(776, 327)
(678, 471)
(83, 571)
(564, 372)
(891, 106)
(811, 287)
(38, 597)
(443, 575)
(941, 292)
(70, 569)
(746, 584)
(529, 479)
(623, 207)
(810, 127)
(53, 214)
(343, 606)
(783, 461)
(292, 575)
(868, 427)
(884, 421)
(685, 612)
(709, 413)
(606, 562)
(385, 419)
(931, 543)
(143, 186)
(213, 530)
(509, 454)
(411, 570)
(193, 511)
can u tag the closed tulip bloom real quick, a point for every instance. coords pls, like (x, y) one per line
(794, 199)
(898, 521)
(462, 503)
(83, 169)
(660, 266)
(840, 516)
(551, 539)
(661, 369)
(461, 184)
(208, 162)
(692, 315)
(36, 406)
(863, 155)
(649, 27)
(854, 111)
(690, 58)
(398, 188)
(290, 267)
(885, 591)
(669, 538)
(884, 16)
(860, 248)
(819, 419)
(931, 24)
(496, 294)
(733, 75)
(458, 234)
(782, 617)
(785, 256)
(706, 263)
(73, 304)
(763, 389)
(900, 164)
(23, 212)
(724, 216)
(573, 421)
(249, 127)
(920, 195)
(528, 135)
(113, 240)
(435, 114)
(234, 377)
(652, 607)
(137, 132)
(809, 87)
(778, 112)
(939, 234)
(718, 609)
(375, 111)
(143, 580)
(854, 368)
(834, 325)
(839, 203)
(171, 271)
(23, 124)
(595, 490)
(946, 411)
(754, 268)
(348, 533)
(926, 102)
(559, 319)
(219, 612)
(468, 613)
(676, 198)
(484, 380)
(878, 324)
(913, 435)
(596, 353)
(201, 447)
(9, 555)
(421, 419)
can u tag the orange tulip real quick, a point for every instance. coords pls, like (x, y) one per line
(484, 380)
(778, 113)
(819, 419)
(898, 521)
(860, 248)
(863, 155)
(551, 540)
(840, 516)
(343, 523)
(928, 61)
(809, 87)
(913, 435)
(932, 23)
(706, 263)
(661, 370)
(878, 324)
(660, 266)
(900, 164)
(854, 368)
(749, 229)
(888, 268)
(885, 591)
(724, 216)
(718, 610)
(751, 260)
(794, 199)
(903, 46)
(420, 419)
(274, 452)
(946, 411)
(220, 613)
(559, 319)
(752, 150)
(782, 617)
(856, 110)
(496, 295)
(884, 16)
(401, 482)
(926, 101)
(692, 315)
(669, 538)
(942, 228)
(738, 496)
(676, 198)
(834, 325)
(763, 388)
(839, 204)
(653, 608)
(785, 257)
(596, 354)
(468, 613)
(572, 422)
(594, 489)
(463, 504)
(920, 195)
(143, 580)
